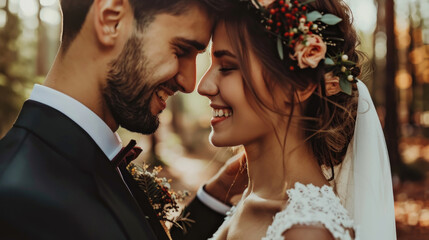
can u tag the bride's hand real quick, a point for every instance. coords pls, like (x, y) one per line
(231, 180)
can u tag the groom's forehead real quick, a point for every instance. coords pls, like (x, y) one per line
(194, 26)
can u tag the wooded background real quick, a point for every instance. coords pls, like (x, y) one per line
(394, 35)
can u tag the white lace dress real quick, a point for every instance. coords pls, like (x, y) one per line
(309, 205)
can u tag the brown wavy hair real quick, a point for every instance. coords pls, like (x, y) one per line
(328, 122)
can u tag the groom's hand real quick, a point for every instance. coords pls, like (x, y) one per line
(231, 180)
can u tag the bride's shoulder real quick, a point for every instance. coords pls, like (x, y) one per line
(312, 209)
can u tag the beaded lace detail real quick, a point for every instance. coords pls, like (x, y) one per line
(310, 205)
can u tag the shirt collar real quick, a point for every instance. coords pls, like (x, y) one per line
(108, 141)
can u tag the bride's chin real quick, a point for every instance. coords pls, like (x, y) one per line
(218, 142)
(215, 141)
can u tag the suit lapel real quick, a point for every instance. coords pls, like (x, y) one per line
(115, 194)
(71, 141)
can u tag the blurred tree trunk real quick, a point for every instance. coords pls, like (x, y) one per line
(391, 127)
(42, 67)
(9, 97)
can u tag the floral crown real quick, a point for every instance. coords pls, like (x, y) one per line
(302, 32)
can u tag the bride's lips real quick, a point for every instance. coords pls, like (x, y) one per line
(220, 113)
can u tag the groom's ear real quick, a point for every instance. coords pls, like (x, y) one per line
(110, 18)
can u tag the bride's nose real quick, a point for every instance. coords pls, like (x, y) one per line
(208, 85)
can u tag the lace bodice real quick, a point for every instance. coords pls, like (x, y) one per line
(310, 205)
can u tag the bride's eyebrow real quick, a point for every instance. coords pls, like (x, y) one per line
(221, 53)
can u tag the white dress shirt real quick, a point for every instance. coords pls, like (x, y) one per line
(108, 141)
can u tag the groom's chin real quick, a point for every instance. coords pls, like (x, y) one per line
(146, 126)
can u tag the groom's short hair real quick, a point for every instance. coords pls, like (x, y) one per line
(75, 12)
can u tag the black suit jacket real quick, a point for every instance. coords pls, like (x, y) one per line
(56, 183)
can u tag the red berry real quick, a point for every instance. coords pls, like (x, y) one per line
(291, 68)
(287, 5)
(279, 24)
(295, 9)
(296, 2)
(269, 28)
(304, 8)
(293, 41)
(292, 34)
(291, 46)
(293, 18)
(286, 34)
(270, 21)
(288, 15)
(281, 2)
(301, 37)
(272, 11)
(283, 9)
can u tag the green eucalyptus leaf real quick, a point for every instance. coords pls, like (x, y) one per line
(348, 63)
(280, 47)
(329, 61)
(313, 16)
(345, 86)
(330, 19)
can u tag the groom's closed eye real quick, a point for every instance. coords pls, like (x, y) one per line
(186, 47)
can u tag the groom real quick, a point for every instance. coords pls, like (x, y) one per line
(119, 62)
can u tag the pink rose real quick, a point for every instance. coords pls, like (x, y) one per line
(309, 55)
(332, 84)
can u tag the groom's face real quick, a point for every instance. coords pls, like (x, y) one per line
(156, 62)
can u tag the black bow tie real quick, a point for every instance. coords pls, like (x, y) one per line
(126, 155)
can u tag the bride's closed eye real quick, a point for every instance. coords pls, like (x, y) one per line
(227, 68)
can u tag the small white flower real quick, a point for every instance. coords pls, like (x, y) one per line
(302, 20)
(343, 69)
(314, 27)
(305, 29)
(350, 78)
(344, 57)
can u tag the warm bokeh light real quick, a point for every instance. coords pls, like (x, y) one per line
(380, 45)
(50, 16)
(364, 13)
(28, 8)
(3, 18)
(47, 3)
(403, 79)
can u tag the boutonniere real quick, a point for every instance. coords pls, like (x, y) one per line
(162, 198)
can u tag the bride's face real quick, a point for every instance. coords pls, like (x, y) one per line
(236, 119)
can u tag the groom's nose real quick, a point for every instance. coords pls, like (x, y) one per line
(186, 78)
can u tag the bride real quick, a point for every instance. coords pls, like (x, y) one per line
(283, 84)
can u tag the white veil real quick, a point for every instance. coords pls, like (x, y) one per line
(363, 181)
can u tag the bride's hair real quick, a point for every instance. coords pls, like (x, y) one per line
(328, 122)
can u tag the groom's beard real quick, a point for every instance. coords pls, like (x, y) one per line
(129, 89)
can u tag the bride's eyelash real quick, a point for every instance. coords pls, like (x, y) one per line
(227, 69)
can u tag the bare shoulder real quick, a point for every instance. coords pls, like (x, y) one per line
(301, 232)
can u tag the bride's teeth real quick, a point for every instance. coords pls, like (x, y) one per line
(222, 112)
